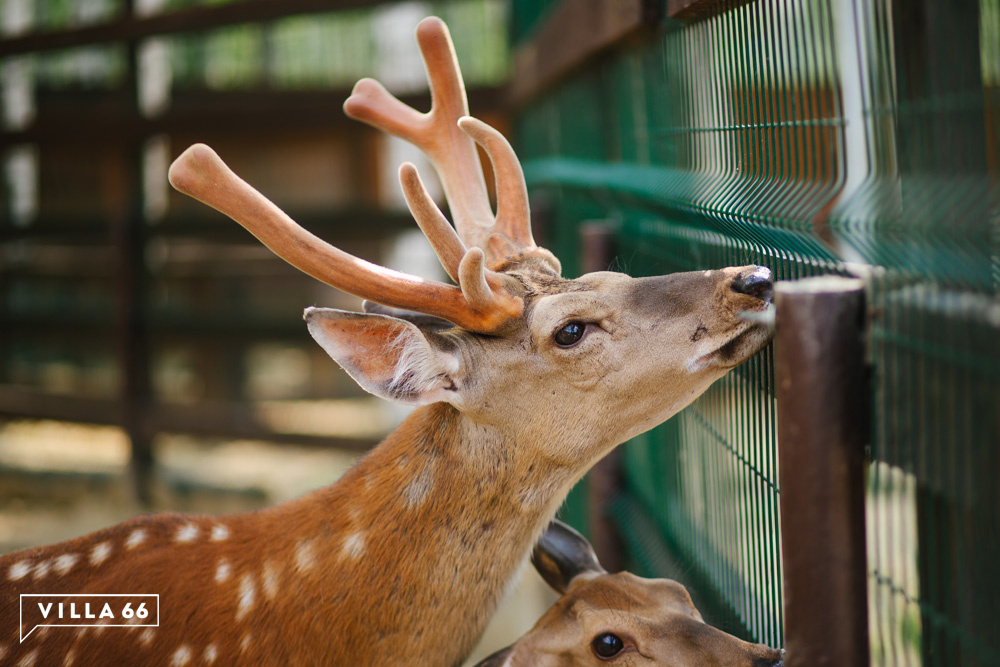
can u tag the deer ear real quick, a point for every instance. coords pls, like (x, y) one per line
(422, 320)
(562, 554)
(388, 357)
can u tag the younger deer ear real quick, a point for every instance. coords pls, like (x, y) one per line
(388, 357)
(562, 554)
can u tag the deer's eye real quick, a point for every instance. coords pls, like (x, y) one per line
(607, 645)
(570, 334)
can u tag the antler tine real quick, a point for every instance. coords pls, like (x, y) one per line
(371, 103)
(448, 99)
(436, 133)
(474, 275)
(513, 214)
(200, 173)
(439, 232)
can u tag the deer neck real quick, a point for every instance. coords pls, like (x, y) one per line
(426, 532)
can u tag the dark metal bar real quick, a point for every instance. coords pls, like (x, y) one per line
(606, 478)
(228, 420)
(691, 10)
(133, 345)
(66, 120)
(131, 28)
(240, 421)
(89, 232)
(129, 234)
(575, 32)
(579, 30)
(823, 417)
(17, 403)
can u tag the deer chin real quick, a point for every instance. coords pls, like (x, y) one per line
(745, 343)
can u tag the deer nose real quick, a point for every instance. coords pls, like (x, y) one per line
(756, 283)
(772, 661)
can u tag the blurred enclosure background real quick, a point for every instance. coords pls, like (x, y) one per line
(152, 353)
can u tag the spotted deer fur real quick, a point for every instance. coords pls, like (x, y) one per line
(404, 559)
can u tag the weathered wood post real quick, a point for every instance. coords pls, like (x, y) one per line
(823, 416)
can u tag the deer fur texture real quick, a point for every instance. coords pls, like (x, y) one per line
(619, 619)
(404, 559)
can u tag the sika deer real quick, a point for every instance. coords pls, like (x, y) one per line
(618, 618)
(405, 558)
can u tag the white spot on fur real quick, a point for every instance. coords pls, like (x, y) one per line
(187, 533)
(100, 553)
(146, 636)
(270, 579)
(19, 570)
(247, 594)
(219, 533)
(70, 658)
(135, 538)
(29, 660)
(42, 569)
(419, 488)
(181, 657)
(211, 653)
(66, 562)
(304, 558)
(222, 571)
(354, 545)
(245, 642)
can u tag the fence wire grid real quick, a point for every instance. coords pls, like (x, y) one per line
(813, 136)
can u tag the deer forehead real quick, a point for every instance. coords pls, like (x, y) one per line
(624, 591)
(551, 312)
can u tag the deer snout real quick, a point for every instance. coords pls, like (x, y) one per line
(755, 282)
(777, 660)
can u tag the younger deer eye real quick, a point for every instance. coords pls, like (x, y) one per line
(607, 645)
(570, 334)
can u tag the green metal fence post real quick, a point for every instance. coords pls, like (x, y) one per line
(822, 430)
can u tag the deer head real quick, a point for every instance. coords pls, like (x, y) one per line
(608, 356)
(607, 618)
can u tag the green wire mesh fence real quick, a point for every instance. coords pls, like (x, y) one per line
(813, 136)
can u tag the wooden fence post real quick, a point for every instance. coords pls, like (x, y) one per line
(823, 417)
